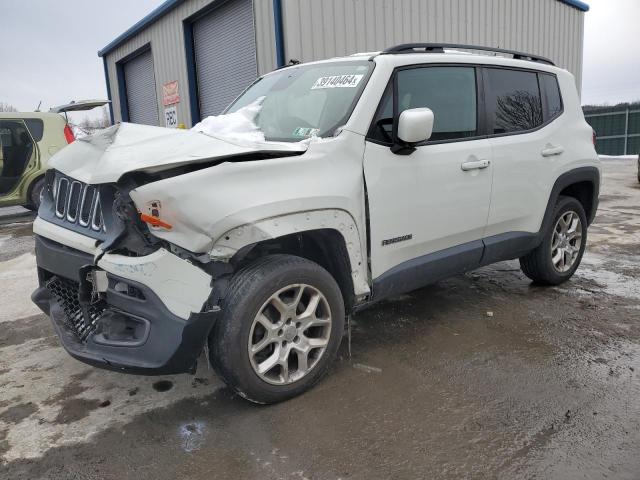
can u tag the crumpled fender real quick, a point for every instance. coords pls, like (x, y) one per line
(234, 240)
(322, 188)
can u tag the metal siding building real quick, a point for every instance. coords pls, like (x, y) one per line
(181, 33)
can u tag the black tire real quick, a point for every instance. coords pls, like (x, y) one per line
(34, 195)
(248, 291)
(537, 265)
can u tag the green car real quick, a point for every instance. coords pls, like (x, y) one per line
(27, 141)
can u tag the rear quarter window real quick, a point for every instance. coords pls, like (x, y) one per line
(36, 128)
(553, 99)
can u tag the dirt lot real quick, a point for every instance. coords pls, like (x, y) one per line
(479, 376)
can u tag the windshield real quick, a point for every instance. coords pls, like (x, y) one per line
(305, 100)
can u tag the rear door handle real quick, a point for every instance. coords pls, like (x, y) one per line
(550, 150)
(475, 165)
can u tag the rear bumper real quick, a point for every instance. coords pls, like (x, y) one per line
(128, 327)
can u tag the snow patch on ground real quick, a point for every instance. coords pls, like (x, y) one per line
(68, 395)
(604, 271)
(617, 157)
(18, 278)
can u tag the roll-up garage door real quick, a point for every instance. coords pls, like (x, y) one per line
(140, 83)
(225, 51)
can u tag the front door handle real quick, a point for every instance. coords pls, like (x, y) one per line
(475, 165)
(550, 150)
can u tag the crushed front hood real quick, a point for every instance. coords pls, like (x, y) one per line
(127, 147)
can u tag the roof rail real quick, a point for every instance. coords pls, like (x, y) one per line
(439, 48)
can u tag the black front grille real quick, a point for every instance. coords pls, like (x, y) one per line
(78, 203)
(86, 209)
(81, 321)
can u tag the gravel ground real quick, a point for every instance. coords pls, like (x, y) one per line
(480, 376)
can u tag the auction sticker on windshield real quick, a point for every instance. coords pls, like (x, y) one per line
(337, 81)
(305, 132)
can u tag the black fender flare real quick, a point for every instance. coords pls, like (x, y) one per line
(577, 175)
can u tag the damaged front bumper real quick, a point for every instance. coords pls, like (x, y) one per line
(146, 315)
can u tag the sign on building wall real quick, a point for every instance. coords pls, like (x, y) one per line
(170, 116)
(170, 94)
(170, 98)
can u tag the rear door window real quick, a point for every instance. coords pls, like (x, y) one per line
(36, 127)
(513, 100)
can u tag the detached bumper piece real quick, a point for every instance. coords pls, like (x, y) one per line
(126, 328)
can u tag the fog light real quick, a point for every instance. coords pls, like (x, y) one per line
(128, 290)
(117, 328)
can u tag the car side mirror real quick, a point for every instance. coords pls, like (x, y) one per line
(415, 125)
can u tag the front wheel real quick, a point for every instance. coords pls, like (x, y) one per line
(559, 255)
(280, 328)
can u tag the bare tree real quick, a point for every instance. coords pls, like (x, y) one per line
(6, 107)
(593, 107)
(89, 125)
(518, 111)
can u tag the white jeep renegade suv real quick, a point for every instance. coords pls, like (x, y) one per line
(363, 177)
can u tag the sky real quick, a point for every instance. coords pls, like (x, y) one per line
(48, 50)
(611, 64)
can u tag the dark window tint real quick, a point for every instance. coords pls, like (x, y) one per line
(16, 149)
(36, 127)
(552, 92)
(513, 101)
(450, 92)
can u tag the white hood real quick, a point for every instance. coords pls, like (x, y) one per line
(108, 154)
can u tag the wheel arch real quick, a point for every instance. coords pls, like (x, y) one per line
(583, 184)
(326, 247)
(327, 237)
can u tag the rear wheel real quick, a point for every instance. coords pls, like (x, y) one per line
(34, 195)
(280, 328)
(559, 255)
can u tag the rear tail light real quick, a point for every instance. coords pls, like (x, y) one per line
(68, 134)
(593, 137)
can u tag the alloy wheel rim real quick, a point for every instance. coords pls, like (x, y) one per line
(290, 334)
(566, 241)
